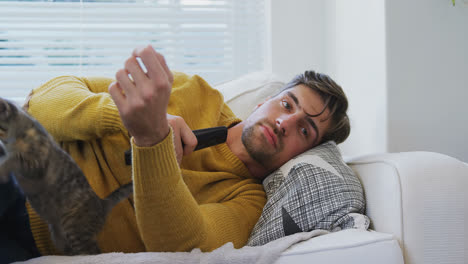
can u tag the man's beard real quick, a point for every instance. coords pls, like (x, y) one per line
(257, 151)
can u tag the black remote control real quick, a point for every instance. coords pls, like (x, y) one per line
(206, 137)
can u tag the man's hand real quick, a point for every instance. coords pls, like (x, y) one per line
(182, 133)
(142, 99)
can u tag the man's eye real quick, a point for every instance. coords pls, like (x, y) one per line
(286, 104)
(304, 131)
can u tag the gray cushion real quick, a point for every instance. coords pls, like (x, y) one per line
(315, 190)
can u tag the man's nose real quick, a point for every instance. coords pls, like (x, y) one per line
(287, 123)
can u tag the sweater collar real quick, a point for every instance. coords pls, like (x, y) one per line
(239, 167)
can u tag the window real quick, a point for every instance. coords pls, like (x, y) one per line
(216, 39)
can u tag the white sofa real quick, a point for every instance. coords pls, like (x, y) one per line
(416, 201)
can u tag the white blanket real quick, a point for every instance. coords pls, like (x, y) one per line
(266, 254)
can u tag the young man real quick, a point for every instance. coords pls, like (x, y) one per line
(208, 198)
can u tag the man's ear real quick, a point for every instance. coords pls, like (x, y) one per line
(261, 103)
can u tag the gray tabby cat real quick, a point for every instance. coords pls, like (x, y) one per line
(55, 186)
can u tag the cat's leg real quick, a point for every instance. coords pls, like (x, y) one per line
(4, 173)
(5, 170)
(67, 241)
(3, 150)
(85, 247)
(58, 238)
(80, 230)
(4, 176)
(81, 243)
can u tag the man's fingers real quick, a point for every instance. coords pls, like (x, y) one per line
(183, 135)
(177, 143)
(189, 139)
(117, 94)
(133, 67)
(152, 61)
(163, 63)
(125, 83)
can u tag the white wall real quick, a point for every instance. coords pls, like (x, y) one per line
(403, 65)
(297, 34)
(355, 58)
(427, 50)
(344, 39)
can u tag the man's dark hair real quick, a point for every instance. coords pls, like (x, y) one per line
(334, 99)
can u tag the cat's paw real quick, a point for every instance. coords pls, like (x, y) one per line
(6, 111)
(3, 153)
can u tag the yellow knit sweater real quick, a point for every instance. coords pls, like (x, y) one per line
(208, 201)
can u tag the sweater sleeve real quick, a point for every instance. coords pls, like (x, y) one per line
(169, 218)
(73, 108)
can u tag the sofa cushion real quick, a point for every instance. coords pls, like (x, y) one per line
(347, 246)
(244, 93)
(315, 190)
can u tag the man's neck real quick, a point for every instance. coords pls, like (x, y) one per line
(234, 142)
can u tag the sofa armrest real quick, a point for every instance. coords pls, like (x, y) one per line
(421, 198)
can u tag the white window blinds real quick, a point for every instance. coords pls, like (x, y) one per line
(216, 39)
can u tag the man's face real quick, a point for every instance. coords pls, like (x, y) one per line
(282, 127)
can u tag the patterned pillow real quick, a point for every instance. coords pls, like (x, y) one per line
(315, 190)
